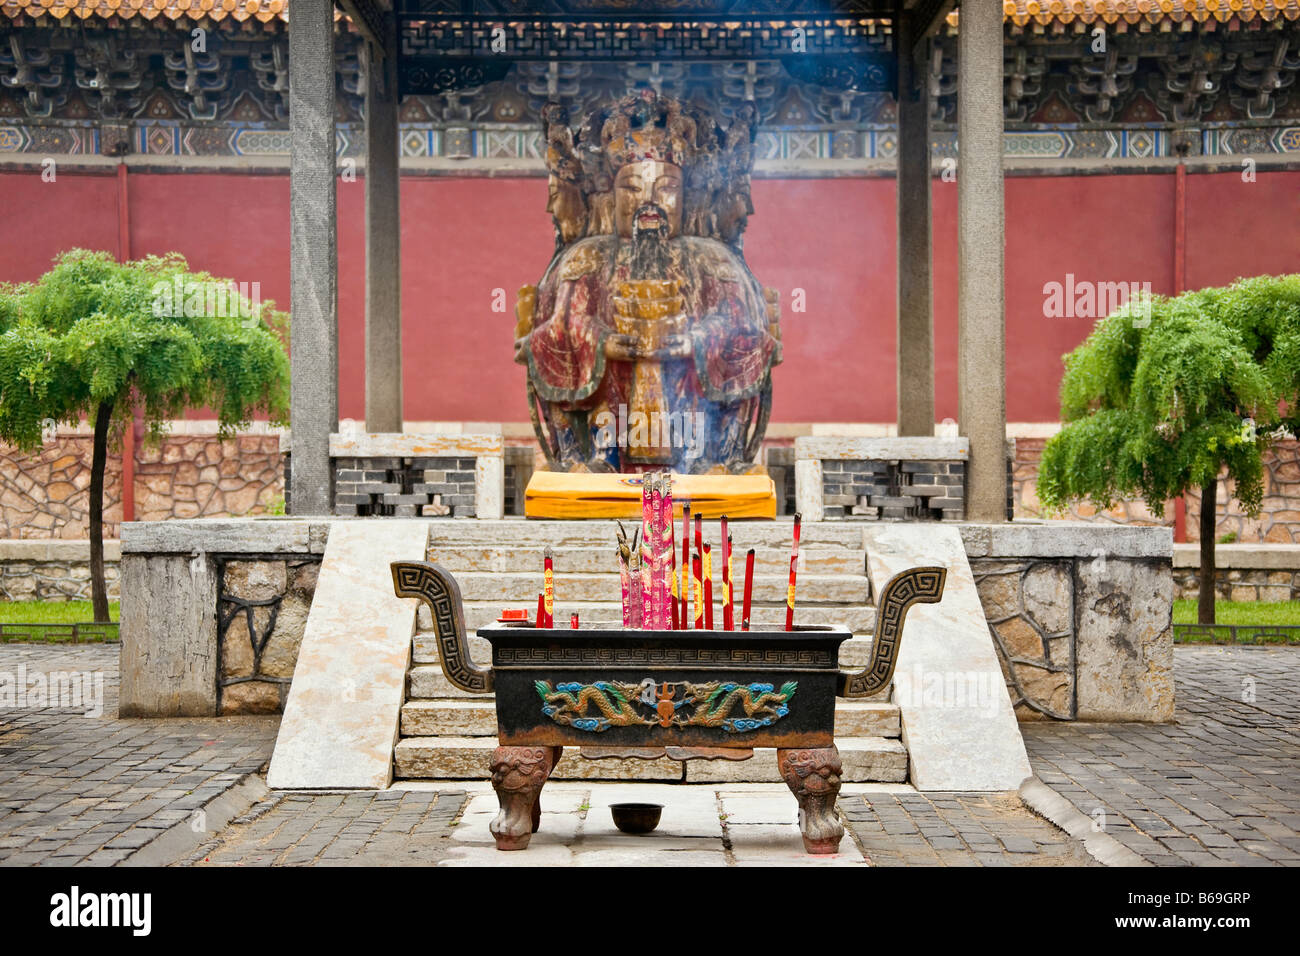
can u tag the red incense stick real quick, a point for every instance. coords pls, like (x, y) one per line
(697, 591)
(548, 575)
(749, 590)
(726, 576)
(729, 609)
(541, 610)
(686, 563)
(672, 555)
(794, 567)
(708, 588)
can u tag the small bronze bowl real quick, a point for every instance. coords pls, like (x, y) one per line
(636, 817)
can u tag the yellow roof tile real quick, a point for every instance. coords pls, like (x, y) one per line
(1019, 12)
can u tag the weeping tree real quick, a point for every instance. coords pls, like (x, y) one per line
(1177, 394)
(98, 340)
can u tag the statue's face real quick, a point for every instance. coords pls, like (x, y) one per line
(648, 197)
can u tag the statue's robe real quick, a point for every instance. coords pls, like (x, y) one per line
(732, 346)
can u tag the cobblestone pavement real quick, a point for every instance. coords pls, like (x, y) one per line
(1221, 785)
(94, 789)
(389, 828)
(702, 825)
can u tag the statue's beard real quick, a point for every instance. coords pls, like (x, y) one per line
(650, 252)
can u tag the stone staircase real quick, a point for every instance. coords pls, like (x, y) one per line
(447, 734)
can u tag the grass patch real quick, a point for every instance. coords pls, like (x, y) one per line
(51, 622)
(1245, 615)
(51, 612)
(1242, 612)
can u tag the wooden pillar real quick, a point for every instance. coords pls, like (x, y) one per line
(915, 319)
(981, 331)
(313, 270)
(383, 237)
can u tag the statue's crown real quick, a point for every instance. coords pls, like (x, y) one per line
(646, 125)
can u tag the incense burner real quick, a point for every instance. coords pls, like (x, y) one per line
(685, 694)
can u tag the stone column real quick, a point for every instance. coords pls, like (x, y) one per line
(915, 308)
(981, 334)
(383, 238)
(313, 269)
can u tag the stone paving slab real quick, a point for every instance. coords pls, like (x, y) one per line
(1219, 786)
(96, 790)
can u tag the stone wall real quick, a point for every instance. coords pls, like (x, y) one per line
(44, 494)
(1244, 572)
(262, 610)
(213, 613)
(1080, 617)
(35, 570)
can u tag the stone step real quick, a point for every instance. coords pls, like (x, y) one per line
(602, 533)
(424, 650)
(768, 588)
(860, 618)
(477, 718)
(599, 558)
(865, 759)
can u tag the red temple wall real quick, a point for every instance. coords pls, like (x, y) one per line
(463, 238)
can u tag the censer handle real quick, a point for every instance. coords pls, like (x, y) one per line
(913, 586)
(437, 588)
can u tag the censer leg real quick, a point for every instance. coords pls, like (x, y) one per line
(813, 776)
(518, 774)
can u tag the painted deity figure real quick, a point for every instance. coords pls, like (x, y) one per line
(648, 342)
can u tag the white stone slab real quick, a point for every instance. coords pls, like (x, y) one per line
(340, 721)
(407, 445)
(809, 493)
(912, 447)
(489, 487)
(958, 725)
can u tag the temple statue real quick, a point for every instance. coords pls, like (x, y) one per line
(648, 341)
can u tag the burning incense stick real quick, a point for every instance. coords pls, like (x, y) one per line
(624, 554)
(634, 603)
(686, 563)
(749, 590)
(726, 576)
(697, 591)
(728, 579)
(794, 567)
(548, 575)
(708, 588)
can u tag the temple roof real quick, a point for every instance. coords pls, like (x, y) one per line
(1020, 12)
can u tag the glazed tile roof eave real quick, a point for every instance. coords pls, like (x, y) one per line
(1022, 13)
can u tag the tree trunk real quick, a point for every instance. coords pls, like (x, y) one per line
(1209, 511)
(98, 461)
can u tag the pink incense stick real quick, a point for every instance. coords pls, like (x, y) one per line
(647, 556)
(657, 550)
(672, 553)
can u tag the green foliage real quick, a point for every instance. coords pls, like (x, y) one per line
(1153, 409)
(92, 331)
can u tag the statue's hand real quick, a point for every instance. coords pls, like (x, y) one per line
(629, 348)
(521, 350)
